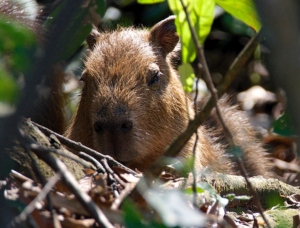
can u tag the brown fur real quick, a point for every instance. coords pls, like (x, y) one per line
(133, 106)
(49, 107)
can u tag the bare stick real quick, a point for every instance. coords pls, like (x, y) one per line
(79, 147)
(74, 157)
(27, 211)
(70, 181)
(42, 178)
(19, 177)
(126, 191)
(98, 165)
(214, 93)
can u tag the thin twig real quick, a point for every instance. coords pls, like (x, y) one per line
(19, 177)
(110, 178)
(125, 192)
(75, 158)
(27, 211)
(79, 147)
(67, 155)
(42, 179)
(119, 180)
(194, 186)
(70, 181)
(214, 93)
(91, 159)
(107, 167)
(202, 66)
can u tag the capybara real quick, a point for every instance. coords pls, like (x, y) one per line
(133, 106)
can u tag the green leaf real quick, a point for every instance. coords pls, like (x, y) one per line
(243, 10)
(150, 1)
(201, 13)
(190, 190)
(283, 125)
(17, 41)
(132, 216)
(186, 76)
(8, 88)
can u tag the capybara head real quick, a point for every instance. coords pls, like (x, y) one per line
(132, 104)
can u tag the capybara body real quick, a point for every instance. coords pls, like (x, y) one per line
(133, 105)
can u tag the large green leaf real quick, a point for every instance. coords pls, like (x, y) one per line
(243, 10)
(186, 76)
(201, 13)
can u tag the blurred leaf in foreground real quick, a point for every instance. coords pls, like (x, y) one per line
(16, 43)
(173, 208)
(8, 87)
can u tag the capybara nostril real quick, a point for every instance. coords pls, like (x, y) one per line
(126, 126)
(98, 127)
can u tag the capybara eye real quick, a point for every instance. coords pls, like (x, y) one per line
(155, 78)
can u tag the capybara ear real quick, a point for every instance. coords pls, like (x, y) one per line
(92, 38)
(164, 35)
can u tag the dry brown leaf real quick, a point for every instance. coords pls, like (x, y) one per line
(61, 187)
(69, 203)
(74, 223)
(89, 172)
(86, 183)
(100, 180)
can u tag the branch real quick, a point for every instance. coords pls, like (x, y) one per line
(226, 183)
(40, 197)
(79, 147)
(70, 181)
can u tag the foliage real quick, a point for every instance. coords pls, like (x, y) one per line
(283, 125)
(201, 14)
(16, 42)
(80, 26)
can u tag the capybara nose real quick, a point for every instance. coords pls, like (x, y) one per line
(126, 126)
(116, 127)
